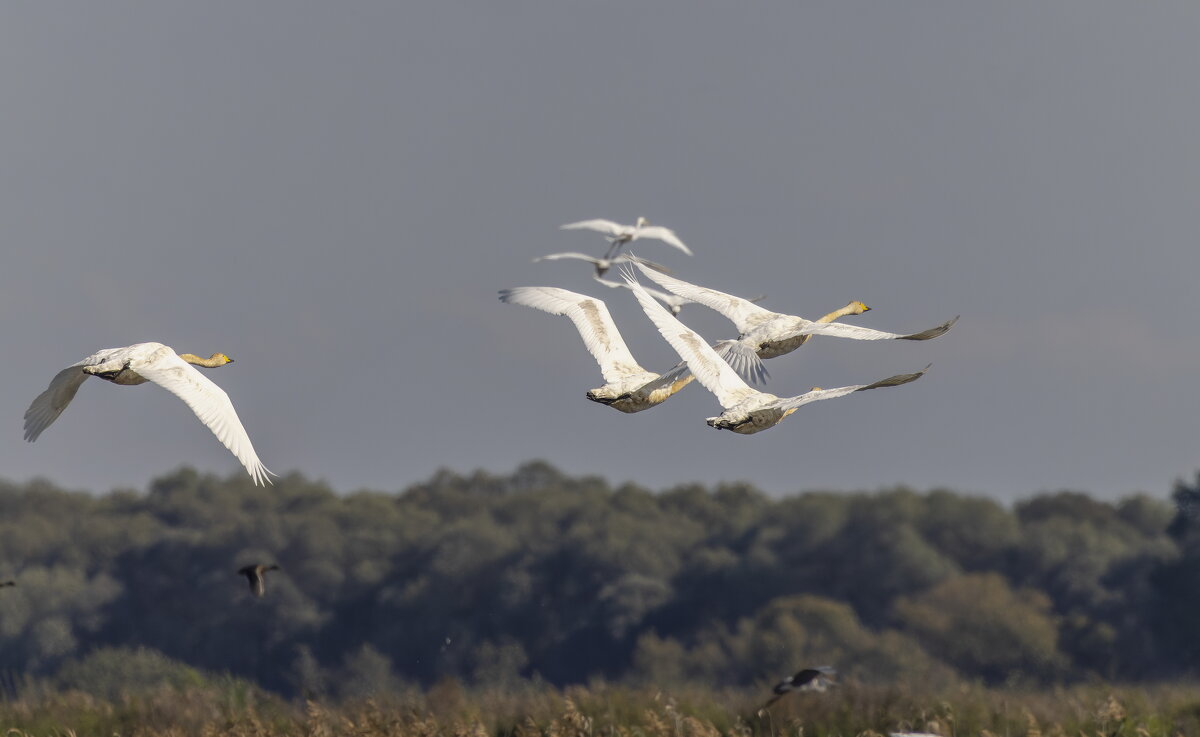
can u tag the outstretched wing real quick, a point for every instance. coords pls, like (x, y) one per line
(599, 225)
(210, 403)
(739, 310)
(48, 405)
(743, 360)
(591, 319)
(713, 373)
(819, 394)
(568, 254)
(674, 301)
(666, 235)
(841, 330)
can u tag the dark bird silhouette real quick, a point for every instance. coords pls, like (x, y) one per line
(810, 679)
(7, 583)
(256, 575)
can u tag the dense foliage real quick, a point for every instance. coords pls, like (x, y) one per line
(493, 580)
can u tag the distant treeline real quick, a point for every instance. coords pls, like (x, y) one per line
(537, 575)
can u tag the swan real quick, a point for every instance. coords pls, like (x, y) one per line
(772, 334)
(602, 265)
(256, 575)
(746, 410)
(619, 235)
(630, 387)
(142, 362)
(739, 355)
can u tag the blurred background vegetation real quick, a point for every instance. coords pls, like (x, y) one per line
(500, 582)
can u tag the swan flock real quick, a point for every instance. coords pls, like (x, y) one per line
(726, 368)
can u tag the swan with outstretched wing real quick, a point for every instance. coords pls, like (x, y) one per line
(601, 265)
(157, 363)
(772, 334)
(746, 410)
(629, 388)
(619, 235)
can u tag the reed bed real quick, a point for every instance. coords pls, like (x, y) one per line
(601, 710)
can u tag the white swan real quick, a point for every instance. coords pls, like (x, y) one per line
(619, 235)
(772, 334)
(747, 410)
(630, 387)
(602, 265)
(142, 362)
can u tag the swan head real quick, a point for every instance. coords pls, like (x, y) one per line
(220, 358)
(607, 395)
(856, 308)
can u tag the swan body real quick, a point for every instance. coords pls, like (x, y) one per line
(619, 235)
(746, 410)
(157, 363)
(629, 388)
(602, 265)
(772, 334)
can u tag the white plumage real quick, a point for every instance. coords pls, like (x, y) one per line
(747, 410)
(771, 334)
(630, 387)
(619, 235)
(157, 363)
(602, 265)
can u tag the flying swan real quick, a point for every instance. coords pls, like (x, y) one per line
(142, 362)
(619, 235)
(602, 265)
(772, 334)
(630, 387)
(747, 410)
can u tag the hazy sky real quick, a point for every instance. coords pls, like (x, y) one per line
(332, 193)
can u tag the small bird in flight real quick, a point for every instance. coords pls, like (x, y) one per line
(256, 575)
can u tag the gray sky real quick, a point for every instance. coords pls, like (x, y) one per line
(332, 193)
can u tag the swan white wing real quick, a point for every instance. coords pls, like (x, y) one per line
(568, 254)
(210, 403)
(48, 405)
(626, 258)
(817, 395)
(735, 308)
(674, 301)
(855, 332)
(591, 319)
(666, 235)
(713, 373)
(599, 225)
(743, 359)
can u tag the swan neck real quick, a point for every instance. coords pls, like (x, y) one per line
(841, 312)
(212, 362)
